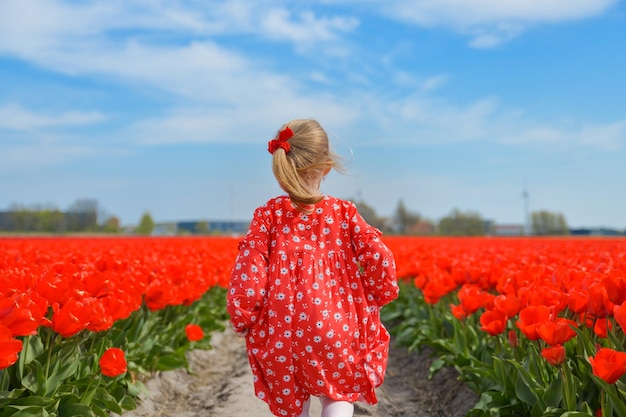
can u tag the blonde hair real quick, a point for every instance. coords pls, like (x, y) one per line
(299, 170)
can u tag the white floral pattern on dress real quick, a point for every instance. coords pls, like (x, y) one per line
(308, 289)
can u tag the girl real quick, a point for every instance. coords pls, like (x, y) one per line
(307, 287)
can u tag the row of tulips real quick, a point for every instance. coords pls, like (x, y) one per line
(82, 320)
(536, 326)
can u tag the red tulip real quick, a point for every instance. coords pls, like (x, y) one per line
(608, 364)
(120, 304)
(601, 327)
(577, 300)
(555, 355)
(66, 320)
(473, 298)
(458, 312)
(557, 332)
(508, 304)
(599, 303)
(439, 285)
(58, 283)
(158, 295)
(615, 284)
(493, 322)
(95, 315)
(9, 348)
(530, 318)
(619, 313)
(112, 362)
(194, 332)
(20, 315)
(548, 296)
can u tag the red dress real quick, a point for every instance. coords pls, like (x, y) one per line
(311, 313)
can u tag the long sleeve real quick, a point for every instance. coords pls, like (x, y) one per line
(376, 260)
(247, 285)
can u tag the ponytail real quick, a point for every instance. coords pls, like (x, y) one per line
(300, 166)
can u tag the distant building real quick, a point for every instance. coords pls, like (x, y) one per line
(164, 229)
(212, 227)
(507, 229)
(597, 232)
(422, 228)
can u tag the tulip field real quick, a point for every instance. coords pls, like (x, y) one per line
(533, 325)
(83, 319)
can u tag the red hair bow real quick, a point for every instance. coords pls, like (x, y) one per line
(280, 141)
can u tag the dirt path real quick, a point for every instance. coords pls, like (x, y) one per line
(220, 385)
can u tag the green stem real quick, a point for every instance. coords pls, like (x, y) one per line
(93, 342)
(4, 381)
(21, 362)
(49, 347)
(88, 397)
(27, 342)
(602, 403)
(569, 394)
(616, 400)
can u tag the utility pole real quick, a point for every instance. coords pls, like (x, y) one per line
(526, 198)
(231, 203)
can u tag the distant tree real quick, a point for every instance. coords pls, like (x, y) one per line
(52, 221)
(460, 223)
(404, 221)
(423, 228)
(369, 215)
(37, 218)
(84, 205)
(22, 219)
(112, 225)
(82, 215)
(146, 225)
(544, 222)
(202, 227)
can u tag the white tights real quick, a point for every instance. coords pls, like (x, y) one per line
(330, 408)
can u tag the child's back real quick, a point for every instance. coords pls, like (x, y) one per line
(306, 291)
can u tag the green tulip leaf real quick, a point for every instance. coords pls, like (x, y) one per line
(554, 393)
(75, 410)
(54, 381)
(33, 377)
(25, 412)
(172, 361)
(524, 393)
(109, 402)
(32, 349)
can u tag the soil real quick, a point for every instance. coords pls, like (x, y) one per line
(219, 384)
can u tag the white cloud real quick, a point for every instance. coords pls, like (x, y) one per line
(608, 137)
(40, 28)
(224, 85)
(491, 22)
(243, 124)
(462, 13)
(418, 120)
(434, 82)
(114, 40)
(15, 117)
(304, 28)
(489, 36)
(29, 158)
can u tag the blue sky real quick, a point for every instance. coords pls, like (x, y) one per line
(166, 107)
